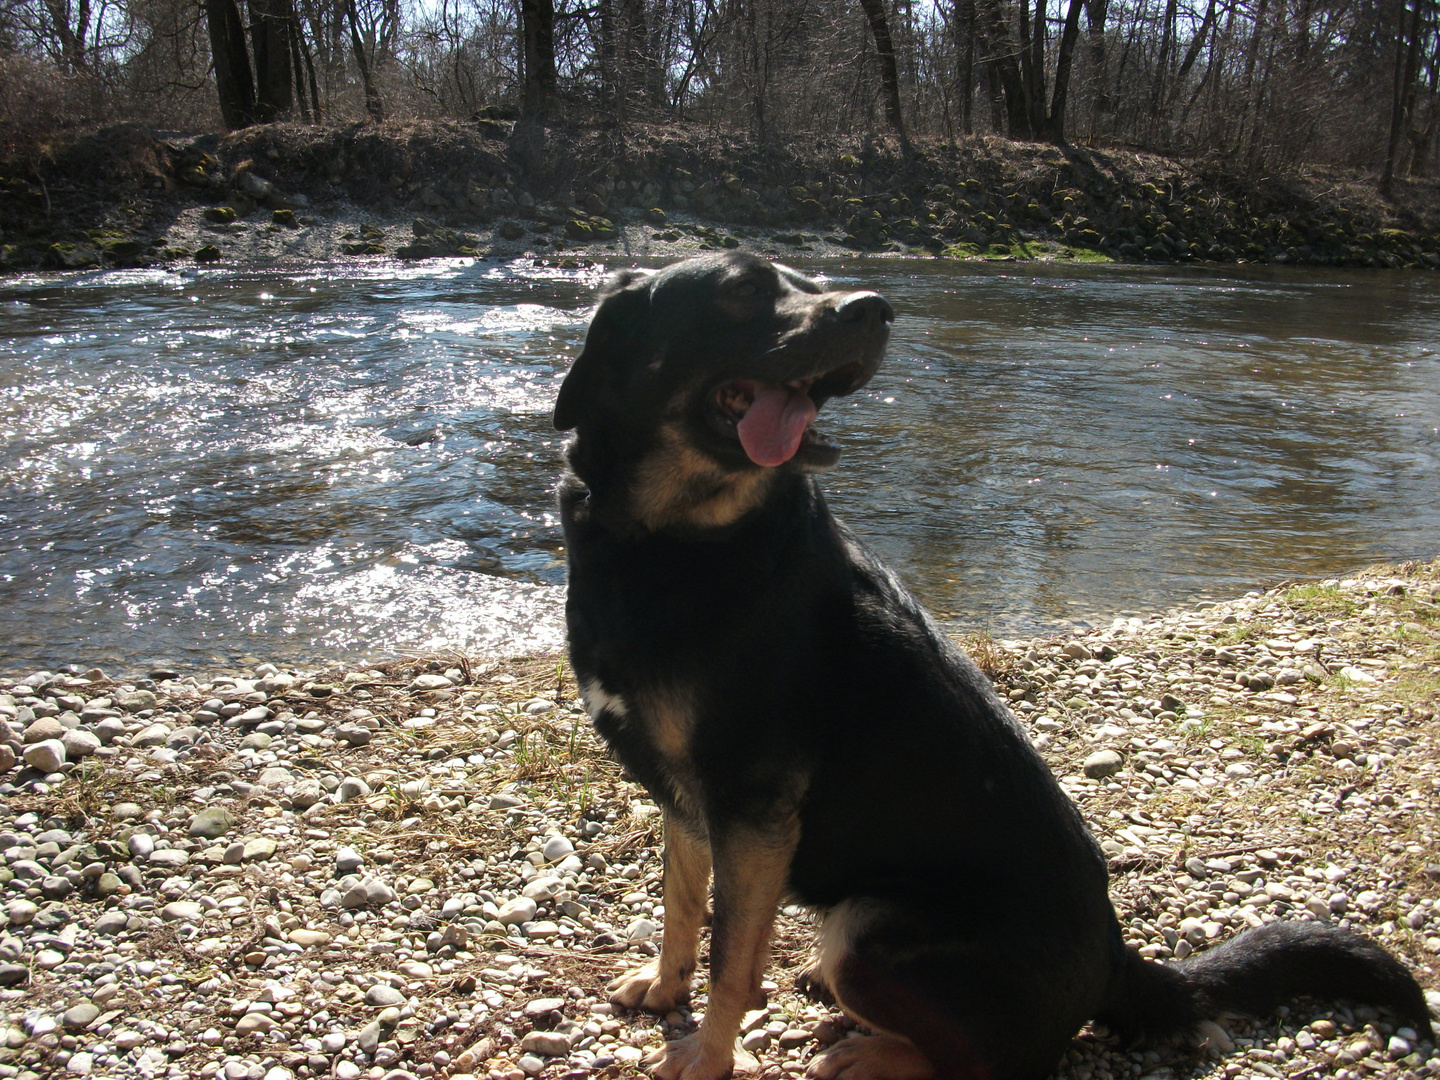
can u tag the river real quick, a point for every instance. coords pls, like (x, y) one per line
(215, 466)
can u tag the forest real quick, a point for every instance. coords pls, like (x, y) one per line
(1258, 84)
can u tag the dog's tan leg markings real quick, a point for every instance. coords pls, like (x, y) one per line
(751, 869)
(663, 983)
(871, 1057)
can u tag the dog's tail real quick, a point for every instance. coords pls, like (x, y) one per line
(1255, 972)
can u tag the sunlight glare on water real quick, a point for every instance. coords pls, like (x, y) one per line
(350, 460)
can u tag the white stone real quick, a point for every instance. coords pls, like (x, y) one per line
(47, 755)
(520, 910)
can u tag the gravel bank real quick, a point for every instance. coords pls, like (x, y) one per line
(429, 869)
(341, 231)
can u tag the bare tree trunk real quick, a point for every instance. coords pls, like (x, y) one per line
(270, 45)
(1095, 14)
(1004, 67)
(1160, 88)
(69, 29)
(297, 70)
(1407, 57)
(537, 30)
(234, 84)
(607, 51)
(889, 73)
(309, 59)
(374, 108)
(1064, 61)
(965, 16)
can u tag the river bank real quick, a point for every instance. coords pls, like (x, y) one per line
(131, 196)
(429, 868)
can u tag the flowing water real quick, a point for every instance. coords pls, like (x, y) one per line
(356, 460)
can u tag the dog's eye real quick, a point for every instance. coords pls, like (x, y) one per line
(745, 287)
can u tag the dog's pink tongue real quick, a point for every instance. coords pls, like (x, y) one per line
(772, 429)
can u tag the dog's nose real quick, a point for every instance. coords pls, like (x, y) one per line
(865, 307)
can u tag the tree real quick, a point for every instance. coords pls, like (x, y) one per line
(1017, 61)
(889, 74)
(258, 83)
(374, 108)
(234, 84)
(537, 34)
(1402, 106)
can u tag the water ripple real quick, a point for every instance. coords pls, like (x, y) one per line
(356, 459)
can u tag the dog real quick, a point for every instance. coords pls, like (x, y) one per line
(811, 736)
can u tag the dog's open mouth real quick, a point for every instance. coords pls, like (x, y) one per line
(774, 421)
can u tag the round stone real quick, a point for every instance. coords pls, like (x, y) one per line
(546, 1043)
(47, 755)
(520, 910)
(253, 1022)
(79, 744)
(1103, 763)
(45, 728)
(556, 848)
(258, 849)
(182, 911)
(640, 930)
(78, 1017)
(383, 994)
(111, 923)
(211, 822)
(20, 912)
(351, 788)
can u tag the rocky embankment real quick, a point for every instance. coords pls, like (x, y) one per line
(127, 197)
(430, 869)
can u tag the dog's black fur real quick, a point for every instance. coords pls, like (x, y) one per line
(811, 734)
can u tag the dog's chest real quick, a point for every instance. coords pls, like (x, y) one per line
(651, 732)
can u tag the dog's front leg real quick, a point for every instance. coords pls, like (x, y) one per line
(751, 869)
(663, 983)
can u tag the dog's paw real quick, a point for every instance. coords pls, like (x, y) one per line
(697, 1058)
(871, 1057)
(809, 982)
(1213, 1039)
(646, 988)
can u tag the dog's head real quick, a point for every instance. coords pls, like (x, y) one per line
(699, 380)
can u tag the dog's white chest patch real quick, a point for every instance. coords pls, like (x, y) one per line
(599, 700)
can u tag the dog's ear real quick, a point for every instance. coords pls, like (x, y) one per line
(617, 328)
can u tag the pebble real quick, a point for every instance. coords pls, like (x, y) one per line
(1102, 763)
(384, 994)
(556, 848)
(182, 911)
(522, 909)
(43, 729)
(78, 1017)
(212, 822)
(46, 755)
(79, 744)
(640, 930)
(254, 1022)
(20, 912)
(257, 848)
(351, 788)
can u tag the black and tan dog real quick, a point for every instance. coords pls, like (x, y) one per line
(811, 735)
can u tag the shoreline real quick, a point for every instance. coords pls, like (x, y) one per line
(130, 196)
(429, 867)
